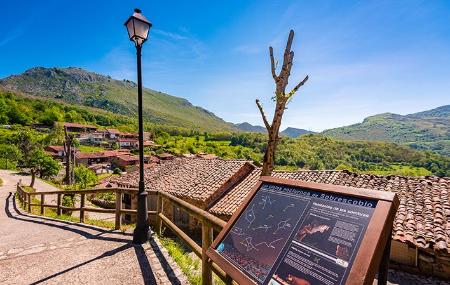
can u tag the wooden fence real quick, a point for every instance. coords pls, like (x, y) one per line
(209, 221)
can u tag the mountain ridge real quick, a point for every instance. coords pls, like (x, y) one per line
(78, 86)
(426, 130)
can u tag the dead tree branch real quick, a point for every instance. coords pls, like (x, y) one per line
(300, 84)
(261, 110)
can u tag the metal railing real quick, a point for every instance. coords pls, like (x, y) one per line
(209, 222)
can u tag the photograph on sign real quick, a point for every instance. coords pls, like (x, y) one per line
(294, 235)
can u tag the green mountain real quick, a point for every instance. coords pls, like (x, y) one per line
(428, 130)
(294, 132)
(247, 127)
(77, 86)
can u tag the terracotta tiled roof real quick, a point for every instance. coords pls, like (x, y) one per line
(150, 143)
(128, 157)
(194, 179)
(423, 217)
(165, 155)
(113, 131)
(77, 125)
(55, 148)
(127, 140)
(103, 154)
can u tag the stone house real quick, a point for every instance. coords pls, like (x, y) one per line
(112, 134)
(127, 143)
(91, 138)
(198, 181)
(79, 128)
(56, 151)
(124, 161)
(96, 157)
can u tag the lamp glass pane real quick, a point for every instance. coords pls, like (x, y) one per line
(130, 28)
(141, 29)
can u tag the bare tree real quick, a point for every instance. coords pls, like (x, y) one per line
(282, 99)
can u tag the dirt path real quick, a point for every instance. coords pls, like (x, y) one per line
(39, 250)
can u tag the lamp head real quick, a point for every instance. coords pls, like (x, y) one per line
(138, 27)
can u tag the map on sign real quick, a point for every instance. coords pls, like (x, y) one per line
(290, 235)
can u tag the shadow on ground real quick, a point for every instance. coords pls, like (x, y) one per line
(144, 264)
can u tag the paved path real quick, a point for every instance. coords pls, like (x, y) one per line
(39, 250)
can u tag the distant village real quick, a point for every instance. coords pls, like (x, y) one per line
(119, 147)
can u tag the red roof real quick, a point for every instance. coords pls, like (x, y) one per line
(81, 126)
(165, 155)
(113, 131)
(127, 140)
(128, 158)
(104, 154)
(188, 178)
(422, 217)
(150, 143)
(55, 148)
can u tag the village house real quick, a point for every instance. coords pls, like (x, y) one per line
(127, 143)
(95, 138)
(56, 151)
(147, 136)
(124, 161)
(96, 157)
(79, 128)
(421, 232)
(129, 135)
(112, 134)
(100, 168)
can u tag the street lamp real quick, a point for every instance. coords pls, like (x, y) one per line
(138, 27)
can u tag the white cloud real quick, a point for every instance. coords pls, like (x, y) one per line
(11, 37)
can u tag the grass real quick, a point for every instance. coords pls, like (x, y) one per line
(189, 264)
(105, 175)
(88, 148)
(403, 170)
(1, 182)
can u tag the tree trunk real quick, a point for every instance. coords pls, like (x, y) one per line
(33, 178)
(68, 153)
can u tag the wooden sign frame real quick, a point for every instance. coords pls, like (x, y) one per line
(373, 253)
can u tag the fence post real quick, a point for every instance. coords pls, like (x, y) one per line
(159, 210)
(29, 202)
(82, 202)
(118, 209)
(19, 193)
(59, 202)
(207, 239)
(42, 203)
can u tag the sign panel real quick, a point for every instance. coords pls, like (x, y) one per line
(286, 234)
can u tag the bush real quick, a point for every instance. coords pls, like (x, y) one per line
(85, 177)
(68, 200)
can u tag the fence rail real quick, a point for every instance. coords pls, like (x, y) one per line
(209, 222)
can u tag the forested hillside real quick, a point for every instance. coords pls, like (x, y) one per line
(428, 130)
(310, 151)
(77, 86)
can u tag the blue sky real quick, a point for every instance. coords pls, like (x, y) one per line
(363, 57)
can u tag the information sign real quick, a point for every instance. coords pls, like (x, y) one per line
(291, 232)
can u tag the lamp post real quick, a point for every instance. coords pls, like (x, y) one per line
(138, 27)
